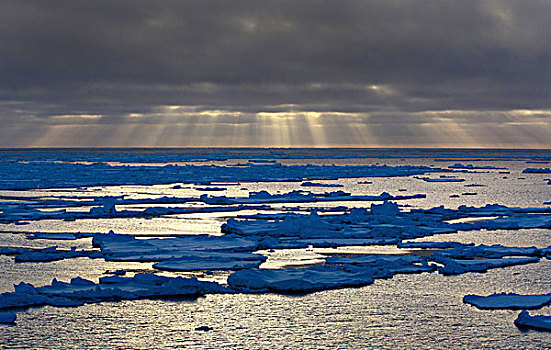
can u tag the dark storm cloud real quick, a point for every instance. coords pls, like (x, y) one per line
(112, 58)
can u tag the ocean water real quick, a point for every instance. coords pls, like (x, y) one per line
(407, 311)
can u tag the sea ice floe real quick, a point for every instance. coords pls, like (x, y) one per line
(7, 317)
(383, 265)
(459, 266)
(432, 245)
(53, 236)
(80, 291)
(318, 184)
(471, 166)
(462, 251)
(53, 254)
(214, 260)
(128, 248)
(537, 171)
(339, 242)
(205, 264)
(444, 179)
(539, 322)
(508, 301)
(302, 280)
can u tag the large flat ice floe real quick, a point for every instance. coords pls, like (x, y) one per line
(459, 266)
(297, 280)
(215, 260)
(116, 247)
(80, 291)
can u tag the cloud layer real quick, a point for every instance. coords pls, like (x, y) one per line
(373, 73)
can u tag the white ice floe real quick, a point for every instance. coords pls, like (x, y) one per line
(459, 266)
(508, 301)
(80, 291)
(53, 236)
(318, 184)
(196, 265)
(537, 171)
(339, 242)
(487, 251)
(338, 272)
(129, 248)
(539, 322)
(432, 245)
(53, 254)
(471, 166)
(444, 179)
(211, 261)
(303, 280)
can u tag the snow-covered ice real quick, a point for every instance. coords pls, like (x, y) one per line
(80, 291)
(297, 280)
(458, 266)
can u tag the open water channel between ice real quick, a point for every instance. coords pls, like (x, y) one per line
(405, 310)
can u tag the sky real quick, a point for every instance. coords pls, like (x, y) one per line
(297, 73)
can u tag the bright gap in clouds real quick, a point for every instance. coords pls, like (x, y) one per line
(185, 126)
